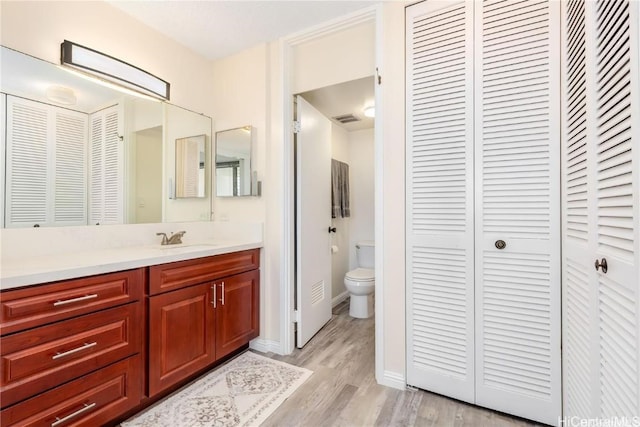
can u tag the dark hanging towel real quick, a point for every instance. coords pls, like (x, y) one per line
(339, 189)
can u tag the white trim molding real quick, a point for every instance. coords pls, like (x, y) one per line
(339, 298)
(265, 346)
(287, 332)
(393, 380)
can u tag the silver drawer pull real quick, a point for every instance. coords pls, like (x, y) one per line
(72, 300)
(59, 421)
(75, 350)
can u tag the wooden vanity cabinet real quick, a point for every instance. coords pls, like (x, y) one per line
(200, 311)
(237, 311)
(71, 350)
(181, 335)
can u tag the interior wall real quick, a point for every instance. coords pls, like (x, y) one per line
(336, 58)
(391, 187)
(38, 28)
(340, 239)
(148, 189)
(362, 181)
(239, 99)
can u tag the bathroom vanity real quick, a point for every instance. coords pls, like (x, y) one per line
(92, 350)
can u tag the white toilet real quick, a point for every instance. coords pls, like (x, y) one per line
(361, 282)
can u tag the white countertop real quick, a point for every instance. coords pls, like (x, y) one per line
(34, 270)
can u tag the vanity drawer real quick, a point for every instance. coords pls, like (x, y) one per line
(38, 305)
(176, 275)
(41, 358)
(92, 400)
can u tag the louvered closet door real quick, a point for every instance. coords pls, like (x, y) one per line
(580, 337)
(602, 148)
(106, 167)
(517, 139)
(46, 168)
(617, 193)
(27, 163)
(70, 168)
(440, 306)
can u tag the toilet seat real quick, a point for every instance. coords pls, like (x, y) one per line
(361, 275)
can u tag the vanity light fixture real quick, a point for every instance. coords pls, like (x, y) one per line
(107, 68)
(370, 111)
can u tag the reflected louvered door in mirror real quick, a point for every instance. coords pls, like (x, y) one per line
(517, 207)
(46, 165)
(601, 227)
(440, 306)
(106, 167)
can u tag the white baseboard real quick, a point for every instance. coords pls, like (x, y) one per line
(338, 299)
(393, 380)
(265, 346)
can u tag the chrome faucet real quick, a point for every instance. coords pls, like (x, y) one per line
(174, 239)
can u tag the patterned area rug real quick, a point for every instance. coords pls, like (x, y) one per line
(243, 392)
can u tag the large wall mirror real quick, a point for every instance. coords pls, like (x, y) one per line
(78, 153)
(233, 162)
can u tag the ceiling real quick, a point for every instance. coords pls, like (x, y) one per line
(217, 28)
(345, 98)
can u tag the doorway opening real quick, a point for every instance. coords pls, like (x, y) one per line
(334, 193)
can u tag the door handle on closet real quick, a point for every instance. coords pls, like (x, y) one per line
(601, 265)
(501, 244)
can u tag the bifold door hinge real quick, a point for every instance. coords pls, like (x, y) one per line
(297, 127)
(296, 316)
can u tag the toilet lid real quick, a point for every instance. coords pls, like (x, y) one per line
(361, 274)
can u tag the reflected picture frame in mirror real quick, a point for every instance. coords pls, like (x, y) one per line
(234, 176)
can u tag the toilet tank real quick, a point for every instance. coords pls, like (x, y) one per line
(366, 254)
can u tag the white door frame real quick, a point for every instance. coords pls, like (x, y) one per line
(287, 334)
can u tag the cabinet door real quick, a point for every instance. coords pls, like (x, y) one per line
(237, 311)
(181, 335)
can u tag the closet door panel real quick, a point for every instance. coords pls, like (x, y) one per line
(70, 171)
(440, 306)
(517, 202)
(27, 163)
(106, 167)
(579, 285)
(617, 216)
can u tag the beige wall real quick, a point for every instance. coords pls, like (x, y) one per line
(340, 239)
(390, 112)
(362, 182)
(39, 27)
(148, 189)
(341, 57)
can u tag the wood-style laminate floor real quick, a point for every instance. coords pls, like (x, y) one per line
(343, 392)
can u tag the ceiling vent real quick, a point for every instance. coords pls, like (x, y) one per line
(346, 118)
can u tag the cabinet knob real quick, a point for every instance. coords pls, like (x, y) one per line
(501, 244)
(601, 265)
